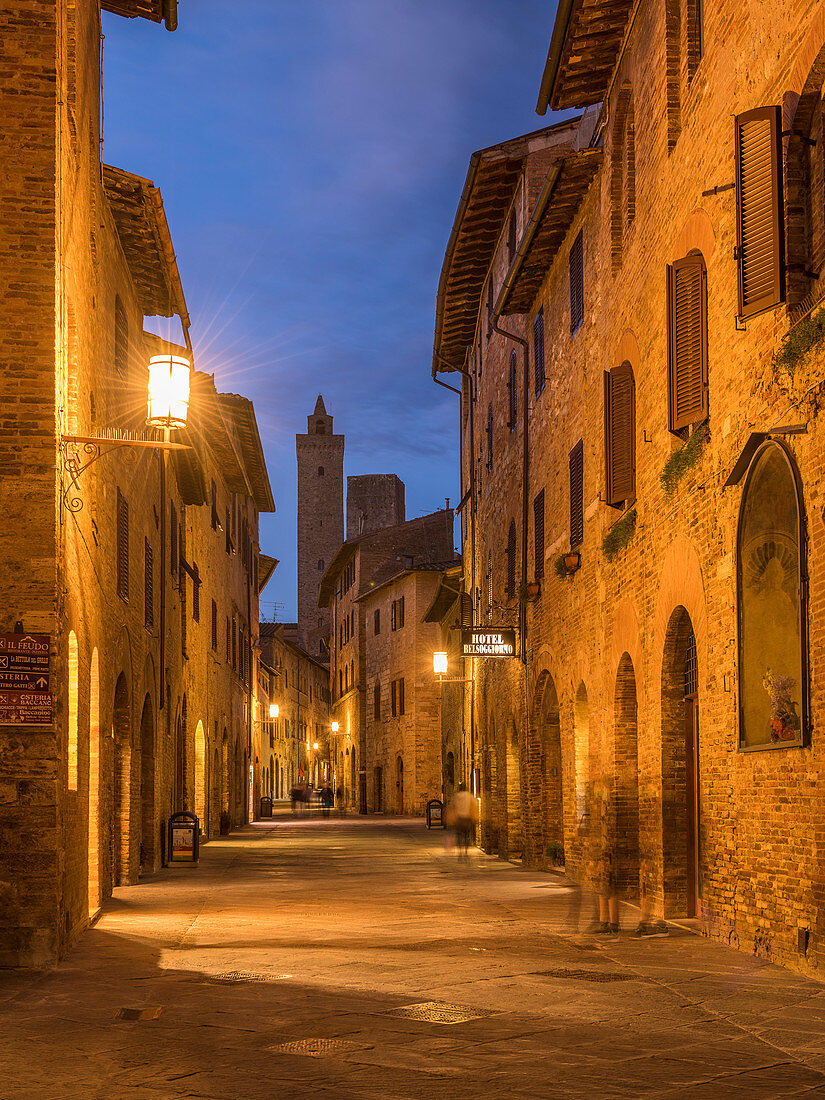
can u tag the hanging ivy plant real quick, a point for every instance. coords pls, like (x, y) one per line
(804, 336)
(619, 534)
(683, 460)
(560, 567)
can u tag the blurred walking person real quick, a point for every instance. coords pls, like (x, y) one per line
(463, 812)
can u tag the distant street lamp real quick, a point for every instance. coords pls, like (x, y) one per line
(315, 745)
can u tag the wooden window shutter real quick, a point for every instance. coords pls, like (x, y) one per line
(121, 339)
(511, 560)
(401, 612)
(376, 701)
(491, 301)
(687, 317)
(760, 217)
(577, 283)
(394, 698)
(512, 387)
(214, 498)
(214, 626)
(577, 495)
(229, 544)
(490, 436)
(148, 585)
(173, 537)
(196, 594)
(122, 546)
(538, 536)
(234, 642)
(538, 350)
(228, 641)
(620, 434)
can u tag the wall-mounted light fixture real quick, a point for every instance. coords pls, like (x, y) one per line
(169, 383)
(334, 727)
(274, 710)
(572, 562)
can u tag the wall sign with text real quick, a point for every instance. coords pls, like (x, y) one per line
(487, 641)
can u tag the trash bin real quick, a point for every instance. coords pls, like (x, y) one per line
(183, 832)
(435, 814)
(266, 806)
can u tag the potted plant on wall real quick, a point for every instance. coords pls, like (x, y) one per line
(785, 721)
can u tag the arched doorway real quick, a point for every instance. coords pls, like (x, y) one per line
(200, 777)
(513, 833)
(626, 778)
(73, 708)
(93, 853)
(147, 787)
(121, 825)
(680, 769)
(399, 785)
(544, 804)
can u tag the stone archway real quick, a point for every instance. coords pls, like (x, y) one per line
(93, 846)
(544, 802)
(681, 886)
(201, 807)
(626, 781)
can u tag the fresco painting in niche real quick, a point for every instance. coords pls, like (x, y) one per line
(770, 637)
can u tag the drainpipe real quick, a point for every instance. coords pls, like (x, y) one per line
(444, 365)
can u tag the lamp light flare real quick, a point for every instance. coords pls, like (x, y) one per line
(169, 381)
(334, 727)
(440, 664)
(315, 745)
(274, 710)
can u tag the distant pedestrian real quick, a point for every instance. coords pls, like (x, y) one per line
(463, 813)
(326, 799)
(296, 796)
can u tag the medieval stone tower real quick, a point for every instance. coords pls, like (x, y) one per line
(320, 520)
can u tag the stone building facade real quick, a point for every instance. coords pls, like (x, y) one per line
(360, 657)
(320, 456)
(374, 501)
(140, 562)
(642, 371)
(299, 684)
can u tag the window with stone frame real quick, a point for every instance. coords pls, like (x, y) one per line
(771, 590)
(538, 352)
(376, 621)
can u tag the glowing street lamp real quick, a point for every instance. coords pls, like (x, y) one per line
(315, 745)
(274, 710)
(169, 381)
(334, 727)
(440, 664)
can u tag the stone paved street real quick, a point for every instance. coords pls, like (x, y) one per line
(285, 965)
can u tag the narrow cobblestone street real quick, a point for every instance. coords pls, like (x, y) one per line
(287, 963)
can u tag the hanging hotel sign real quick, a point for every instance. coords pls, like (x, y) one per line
(488, 641)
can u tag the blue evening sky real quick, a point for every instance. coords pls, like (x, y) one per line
(311, 155)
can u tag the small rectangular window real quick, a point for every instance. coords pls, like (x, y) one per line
(394, 698)
(196, 594)
(122, 547)
(760, 220)
(538, 536)
(148, 586)
(687, 318)
(577, 284)
(538, 351)
(512, 392)
(230, 546)
(577, 495)
(376, 621)
(228, 641)
(234, 643)
(401, 612)
(376, 701)
(401, 695)
(214, 496)
(214, 626)
(620, 434)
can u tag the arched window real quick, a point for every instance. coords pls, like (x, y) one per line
(620, 434)
(320, 471)
(320, 428)
(770, 570)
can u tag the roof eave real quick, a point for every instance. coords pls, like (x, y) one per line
(551, 66)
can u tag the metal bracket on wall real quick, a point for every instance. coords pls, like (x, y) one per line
(82, 451)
